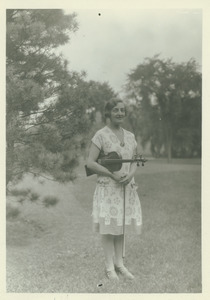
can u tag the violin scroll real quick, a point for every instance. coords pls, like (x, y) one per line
(139, 158)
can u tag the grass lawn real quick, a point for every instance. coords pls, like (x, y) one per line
(53, 250)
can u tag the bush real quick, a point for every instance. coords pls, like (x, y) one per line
(20, 192)
(34, 197)
(12, 212)
(50, 201)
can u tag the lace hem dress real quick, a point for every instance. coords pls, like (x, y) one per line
(108, 199)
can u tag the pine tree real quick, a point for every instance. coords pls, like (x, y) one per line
(45, 114)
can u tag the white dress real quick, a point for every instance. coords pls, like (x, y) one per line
(108, 197)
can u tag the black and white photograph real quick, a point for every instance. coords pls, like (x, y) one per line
(103, 149)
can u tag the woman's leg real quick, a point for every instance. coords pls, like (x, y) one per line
(119, 266)
(118, 246)
(108, 247)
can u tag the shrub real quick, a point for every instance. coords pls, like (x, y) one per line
(50, 201)
(12, 212)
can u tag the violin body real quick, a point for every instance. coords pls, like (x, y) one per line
(112, 167)
(113, 162)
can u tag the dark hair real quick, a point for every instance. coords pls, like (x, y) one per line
(110, 105)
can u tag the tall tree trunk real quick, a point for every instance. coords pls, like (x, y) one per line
(169, 143)
(169, 151)
(9, 162)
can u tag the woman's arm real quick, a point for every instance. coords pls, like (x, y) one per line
(132, 170)
(97, 168)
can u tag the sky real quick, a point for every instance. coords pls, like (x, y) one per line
(111, 43)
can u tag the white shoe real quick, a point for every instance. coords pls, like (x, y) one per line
(124, 272)
(112, 275)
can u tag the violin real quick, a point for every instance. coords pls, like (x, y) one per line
(113, 161)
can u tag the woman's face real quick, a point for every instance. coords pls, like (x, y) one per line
(118, 114)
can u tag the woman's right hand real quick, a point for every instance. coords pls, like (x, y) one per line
(117, 177)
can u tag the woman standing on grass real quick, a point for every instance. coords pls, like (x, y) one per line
(109, 195)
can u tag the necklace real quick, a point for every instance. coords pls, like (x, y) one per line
(120, 136)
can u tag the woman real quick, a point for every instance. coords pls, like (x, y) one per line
(109, 193)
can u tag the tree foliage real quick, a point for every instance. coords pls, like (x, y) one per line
(98, 94)
(165, 106)
(50, 109)
(46, 114)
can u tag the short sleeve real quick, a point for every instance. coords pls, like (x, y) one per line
(97, 140)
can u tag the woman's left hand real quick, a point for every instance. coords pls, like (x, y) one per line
(126, 179)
